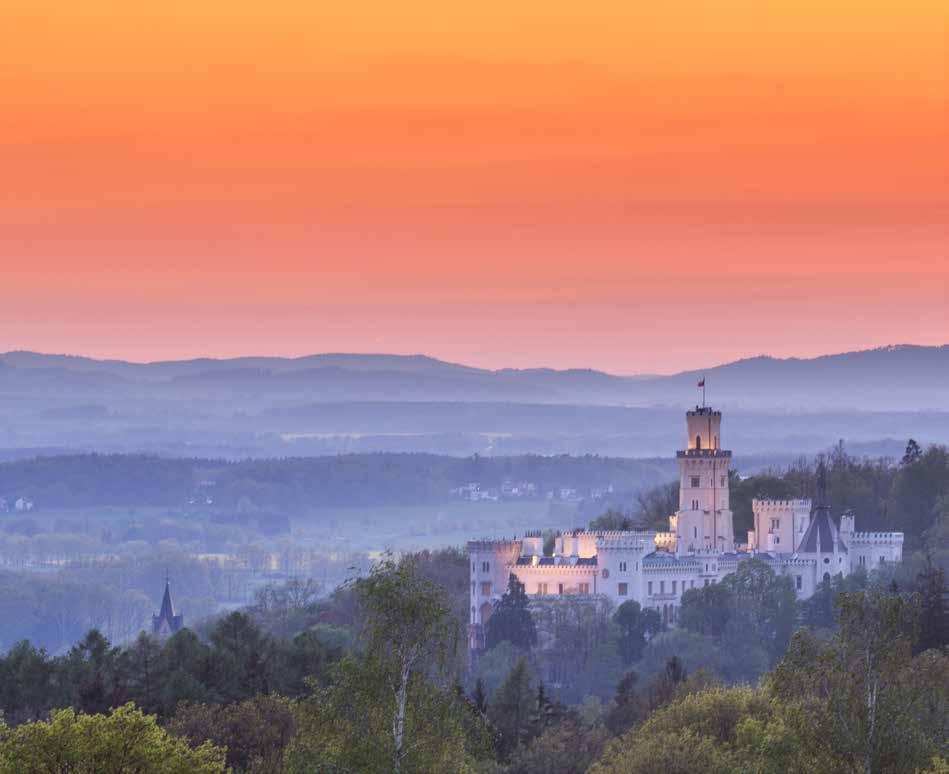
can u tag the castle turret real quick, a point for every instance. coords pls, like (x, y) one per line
(822, 541)
(704, 519)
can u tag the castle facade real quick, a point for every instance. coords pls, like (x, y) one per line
(794, 537)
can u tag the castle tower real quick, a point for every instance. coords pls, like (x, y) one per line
(704, 519)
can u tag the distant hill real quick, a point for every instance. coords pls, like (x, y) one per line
(902, 378)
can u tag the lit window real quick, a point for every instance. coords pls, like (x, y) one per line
(622, 589)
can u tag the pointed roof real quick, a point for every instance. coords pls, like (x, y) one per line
(167, 607)
(822, 533)
(166, 616)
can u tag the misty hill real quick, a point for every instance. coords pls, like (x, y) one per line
(339, 403)
(902, 378)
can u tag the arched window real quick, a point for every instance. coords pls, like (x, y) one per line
(698, 442)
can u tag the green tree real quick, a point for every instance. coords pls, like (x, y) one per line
(636, 626)
(254, 732)
(511, 708)
(912, 453)
(714, 731)
(706, 610)
(934, 619)
(860, 701)
(511, 619)
(123, 741)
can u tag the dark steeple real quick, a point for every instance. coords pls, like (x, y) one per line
(822, 534)
(166, 622)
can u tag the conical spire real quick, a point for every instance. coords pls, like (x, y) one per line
(167, 607)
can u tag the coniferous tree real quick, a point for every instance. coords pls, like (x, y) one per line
(511, 619)
(933, 620)
(479, 698)
(510, 711)
(912, 453)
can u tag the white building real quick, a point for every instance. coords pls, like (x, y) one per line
(656, 568)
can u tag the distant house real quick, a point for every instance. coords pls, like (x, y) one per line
(23, 505)
(166, 622)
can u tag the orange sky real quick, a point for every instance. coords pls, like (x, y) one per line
(630, 186)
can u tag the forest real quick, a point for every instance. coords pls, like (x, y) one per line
(298, 483)
(376, 675)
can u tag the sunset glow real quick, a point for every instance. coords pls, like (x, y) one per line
(628, 186)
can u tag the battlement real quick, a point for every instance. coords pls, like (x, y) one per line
(703, 411)
(700, 453)
(494, 545)
(768, 504)
(644, 543)
(889, 537)
(665, 539)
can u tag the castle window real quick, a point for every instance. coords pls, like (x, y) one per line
(485, 566)
(882, 560)
(542, 588)
(695, 532)
(662, 587)
(674, 584)
(799, 582)
(584, 588)
(486, 589)
(706, 582)
(560, 588)
(472, 567)
(622, 566)
(649, 587)
(622, 589)
(696, 482)
(723, 481)
(698, 442)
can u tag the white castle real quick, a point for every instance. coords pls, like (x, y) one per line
(655, 568)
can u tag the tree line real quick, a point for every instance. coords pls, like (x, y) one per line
(371, 680)
(82, 480)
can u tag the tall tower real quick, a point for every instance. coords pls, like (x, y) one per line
(704, 519)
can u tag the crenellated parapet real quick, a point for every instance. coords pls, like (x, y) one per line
(877, 537)
(780, 505)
